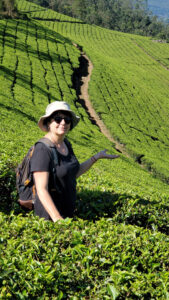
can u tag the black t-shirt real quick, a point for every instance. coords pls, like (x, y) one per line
(66, 171)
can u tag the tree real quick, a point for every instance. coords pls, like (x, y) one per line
(8, 8)
(78, 9)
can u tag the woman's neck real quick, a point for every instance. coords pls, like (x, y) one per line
(57, 140)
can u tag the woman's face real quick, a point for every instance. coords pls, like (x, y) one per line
(60, 123)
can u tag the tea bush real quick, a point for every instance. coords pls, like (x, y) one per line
(81, 259)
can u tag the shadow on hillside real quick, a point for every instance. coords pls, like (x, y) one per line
(77, 80)
(6, 33)
(37, 53)
(18, 111)
(58, 20)
(34, 30)
(122, 208)
(94, 205)
(90, 205)
(24, 81)
(34, 53)
(37, 32)
(79, 73)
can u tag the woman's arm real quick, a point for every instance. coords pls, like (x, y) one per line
(41, 183)
(85, 166)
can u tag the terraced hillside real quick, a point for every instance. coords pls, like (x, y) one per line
(129, 87)
(117, 245)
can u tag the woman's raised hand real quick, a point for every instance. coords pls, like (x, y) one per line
(103, 154)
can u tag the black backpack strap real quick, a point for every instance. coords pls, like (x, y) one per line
(51, 146)
(55, 156)
(69, 146)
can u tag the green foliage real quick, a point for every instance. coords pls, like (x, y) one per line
(130, 99)
(123, 208)
(81, 259)
(131, 16)
(116, 247)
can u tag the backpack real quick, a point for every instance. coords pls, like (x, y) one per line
(24, 178)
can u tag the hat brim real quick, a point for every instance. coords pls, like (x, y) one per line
(43, 127)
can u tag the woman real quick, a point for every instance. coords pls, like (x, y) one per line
(49, 204)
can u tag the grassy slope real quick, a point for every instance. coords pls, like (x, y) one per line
(40, 70)
(129, 87)
(37, 64)
(130, 91)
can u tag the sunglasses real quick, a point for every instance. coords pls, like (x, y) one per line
(59, 119)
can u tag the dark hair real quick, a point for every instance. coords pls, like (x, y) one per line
(55, 113)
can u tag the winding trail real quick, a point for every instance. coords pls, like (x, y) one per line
(84, 96)
(81, 80)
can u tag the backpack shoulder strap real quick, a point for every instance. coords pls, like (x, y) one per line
(46, 141)
(51, 145)
(68, 144)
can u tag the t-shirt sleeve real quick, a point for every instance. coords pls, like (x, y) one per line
(40, 161)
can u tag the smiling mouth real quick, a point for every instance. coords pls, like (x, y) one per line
(62, 127)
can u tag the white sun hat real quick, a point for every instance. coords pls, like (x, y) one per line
(54, 107)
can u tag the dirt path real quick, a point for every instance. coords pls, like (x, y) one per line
(81, 82)
(84, 96)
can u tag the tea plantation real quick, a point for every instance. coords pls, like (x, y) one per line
(117, 245)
